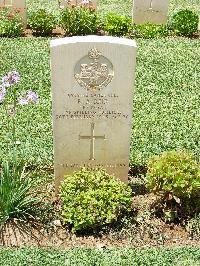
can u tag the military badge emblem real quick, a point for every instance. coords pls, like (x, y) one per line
(94, 71)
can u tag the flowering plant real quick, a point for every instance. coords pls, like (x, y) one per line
(8, 86)
(80, 19)
(10, 23)
(16, 200)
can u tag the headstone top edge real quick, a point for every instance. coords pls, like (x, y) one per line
(92, 39)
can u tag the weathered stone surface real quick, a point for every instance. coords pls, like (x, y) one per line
(152, 11)
(17, 5)
(92, 89)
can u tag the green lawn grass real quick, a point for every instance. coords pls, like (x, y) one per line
(100, 257)
(167, 97)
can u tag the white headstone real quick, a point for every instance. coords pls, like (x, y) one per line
(16, 5)
(68, 3)
(92, 90)
(152, 11)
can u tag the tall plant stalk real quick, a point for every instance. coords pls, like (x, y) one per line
(16, 200)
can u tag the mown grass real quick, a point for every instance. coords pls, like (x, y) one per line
(100, 257)
(166, 104)
(167, 97)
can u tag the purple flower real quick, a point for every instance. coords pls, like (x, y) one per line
(2, 93)
(23, 101)
(10, 79)
(31, 97)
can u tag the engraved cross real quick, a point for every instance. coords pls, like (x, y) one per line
(151, 4)
(92, 139)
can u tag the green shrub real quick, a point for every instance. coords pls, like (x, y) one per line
(149, 31)
(91, 199)
(185, 22)
(176, 177)
(80, 21)
(42, 23)
(10, 24)
(117, 25)
(174, 172)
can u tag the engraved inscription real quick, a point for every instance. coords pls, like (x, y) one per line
(92, 106)
(92, 166)
(94, 71)
(77, 95)
(92, 101)
(92, 139)
(111, 114)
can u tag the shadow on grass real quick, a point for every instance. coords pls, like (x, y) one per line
(136, 180)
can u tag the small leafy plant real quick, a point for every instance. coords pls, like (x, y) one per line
(149, 31)
(117, 25)
(174, 172)
(10, 23)
(80, 20)
(42, 23)
(185, 22)
(91, 199)
(176, 177)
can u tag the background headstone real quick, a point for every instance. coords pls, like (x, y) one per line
(152, 11)
(16, 5)
(92, 89)
(67, 3)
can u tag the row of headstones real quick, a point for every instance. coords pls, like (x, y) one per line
(153, 11)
